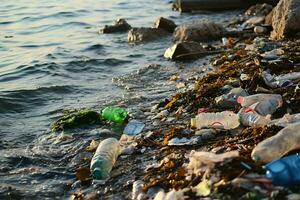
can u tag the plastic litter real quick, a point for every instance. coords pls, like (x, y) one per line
(137, 187)
(263, 104)
(284, 171)
(201, 161)
(184, 141)
(203, 188)
(105, 158)
(114, 114)
(275, 82)
(286, 120)
(172, 195)
(134, 127)
(224, 120)
(273, 54)
(249, 117)
(274, 147)
(229, 100)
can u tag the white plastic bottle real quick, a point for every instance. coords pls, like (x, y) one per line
(274, 147)
(252, 118)
(263, 104)
(224, 120)
(105, 158)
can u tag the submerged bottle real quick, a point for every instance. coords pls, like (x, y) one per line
(224, 120)
(285, 171)
(105, 158)
(249, 117)
(263, 104)
(274, 147)
(114, 114)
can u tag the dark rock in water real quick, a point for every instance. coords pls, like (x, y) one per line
(212, 5)
(120, 25)
(145, 34)
(286, 19)
(76, 119)
(184, 50)
(165, 24)
(259, 10)
(199, 31)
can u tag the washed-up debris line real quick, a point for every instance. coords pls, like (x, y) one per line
(208, 138)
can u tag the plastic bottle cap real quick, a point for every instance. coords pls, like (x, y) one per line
(97, 173)
(240, 99)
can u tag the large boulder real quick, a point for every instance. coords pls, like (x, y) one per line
(119, 25)
(286, 19)
(145, 34)
(184, 50)
(165, 24)
(199, 31)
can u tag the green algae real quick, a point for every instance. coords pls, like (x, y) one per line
(76, 119)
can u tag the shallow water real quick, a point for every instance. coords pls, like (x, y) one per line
(53, 59)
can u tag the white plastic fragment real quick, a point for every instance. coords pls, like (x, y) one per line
(201, 161)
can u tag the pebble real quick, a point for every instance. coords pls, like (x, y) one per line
(260, 30)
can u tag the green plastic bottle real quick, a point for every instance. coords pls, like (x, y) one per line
(114, 114)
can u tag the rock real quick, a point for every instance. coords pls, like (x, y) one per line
(259, 10)
(165, 24)
(184, 50)
(286, 18)
(119, 25)
(268, 18)
(145, 34)
(199, 31)
(260, 30)
(255, 20)
(212, 5)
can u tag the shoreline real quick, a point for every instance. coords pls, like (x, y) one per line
(166, 165)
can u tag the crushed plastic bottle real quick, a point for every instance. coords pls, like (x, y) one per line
(229, 100)
(274, 147)
(249, 117)
(284, 171)
(114, 114)
(223, 120)
(134, 127)
(273, 81)
(263, 104)
(105, 158)
(286, 120)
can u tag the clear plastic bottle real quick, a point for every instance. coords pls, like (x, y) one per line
(114, 114)
(229, 100)
(249, 117)
(274, 147)
(286, 120)
(224, 120)
(285, 171)
(263, 104)
(105, 158)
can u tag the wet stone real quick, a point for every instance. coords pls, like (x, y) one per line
(165, 24)
(119, 25)
(145, 34)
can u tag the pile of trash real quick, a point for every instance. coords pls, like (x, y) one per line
(232, 134)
